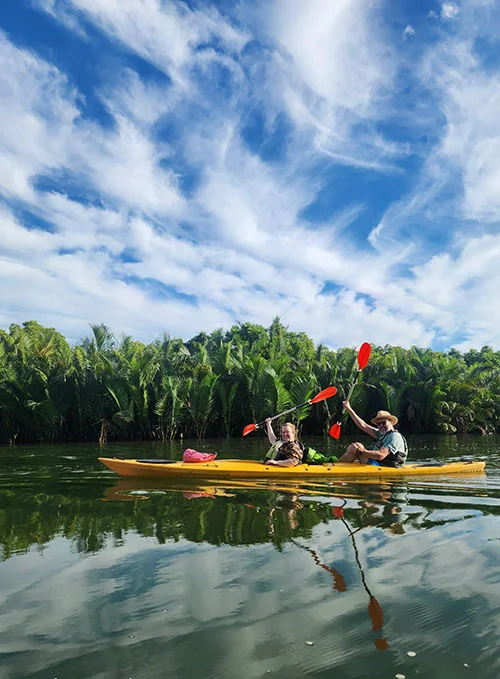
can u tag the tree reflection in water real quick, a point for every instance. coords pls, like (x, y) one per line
(232, 514)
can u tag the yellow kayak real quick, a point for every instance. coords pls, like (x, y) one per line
(251, 469)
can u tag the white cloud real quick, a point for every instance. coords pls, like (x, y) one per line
(15, 237)
(456, 198)
(235, 242)
(472, 140)
(408, 32)
(125, 165)
(144, 103)
(334, 74)
(43, 132)
(38, 109)
(60, 11)
(467, 282)
(165, 33)
(449, 10)
(319, 37)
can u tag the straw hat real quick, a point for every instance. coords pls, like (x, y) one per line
(384, 415)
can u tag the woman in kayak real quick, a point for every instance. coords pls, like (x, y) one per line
(390, 448)
(286, 451)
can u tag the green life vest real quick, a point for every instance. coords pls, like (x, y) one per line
(310, 456)
(273, 451)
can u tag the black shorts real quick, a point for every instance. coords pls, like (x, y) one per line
(390, 462)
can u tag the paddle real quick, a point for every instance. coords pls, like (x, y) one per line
(338, 579)
(322, 396)
(374, 608)
(363, 358)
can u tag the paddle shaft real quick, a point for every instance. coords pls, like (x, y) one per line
(322, 396)
(336, 427)
(363, 358)
(285, 412)
(353, 385)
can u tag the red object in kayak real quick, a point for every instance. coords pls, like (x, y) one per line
(191, 455)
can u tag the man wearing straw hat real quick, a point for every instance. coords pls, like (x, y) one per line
(390, 448)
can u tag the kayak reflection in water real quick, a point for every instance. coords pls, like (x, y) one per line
(285, 451)
(390, 448)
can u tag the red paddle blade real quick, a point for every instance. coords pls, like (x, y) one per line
(335, 430)
(376, 614)
(323, 395)
(381, 644)
(364, 355)
(339, 581)
(249, 428)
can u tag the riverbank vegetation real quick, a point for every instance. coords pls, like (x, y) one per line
(104, 388)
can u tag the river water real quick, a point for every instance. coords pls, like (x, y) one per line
(107, 578)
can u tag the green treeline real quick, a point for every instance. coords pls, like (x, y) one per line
(213, 385)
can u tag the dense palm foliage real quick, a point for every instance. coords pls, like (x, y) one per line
(214, 384)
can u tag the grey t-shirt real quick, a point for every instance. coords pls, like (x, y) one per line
(398, 449)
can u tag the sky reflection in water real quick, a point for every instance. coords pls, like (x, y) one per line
(104, 579)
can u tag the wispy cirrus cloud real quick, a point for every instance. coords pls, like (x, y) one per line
(45, 134)
(38, 108)
(335, 71)
(249, 161)
(168, 34)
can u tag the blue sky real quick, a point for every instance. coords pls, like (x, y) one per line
(185, 166)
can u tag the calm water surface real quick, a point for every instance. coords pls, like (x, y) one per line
(108, 578)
